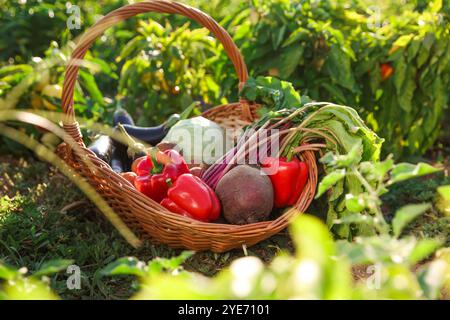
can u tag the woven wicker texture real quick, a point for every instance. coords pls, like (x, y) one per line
(141, 213)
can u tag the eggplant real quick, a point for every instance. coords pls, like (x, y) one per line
(123, 117)
(152, 135)
(117, 161)
(102, 147)
(120, 162)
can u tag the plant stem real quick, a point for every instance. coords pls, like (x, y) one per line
(381, 225)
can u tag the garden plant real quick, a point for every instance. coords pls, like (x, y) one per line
(354, 92)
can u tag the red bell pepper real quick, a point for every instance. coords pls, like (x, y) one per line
(191, 197)
(152, 185)
(142, 166)
(288, 179)
(156, 181)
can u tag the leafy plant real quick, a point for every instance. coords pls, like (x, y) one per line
(14, 284)
(333, 52)
(319, 269)
(166, 69)
(367, 181)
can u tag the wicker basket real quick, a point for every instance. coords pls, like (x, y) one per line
(141, 213)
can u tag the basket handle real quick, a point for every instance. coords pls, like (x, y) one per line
(162, 6)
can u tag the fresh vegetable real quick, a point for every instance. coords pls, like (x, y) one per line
(102, 147)
(117, 163)
(142, 166)
(305, 126)
(386, 71)
(153, 186)
(120, 162)
(191, 197)
(200, 140)
(123, 117)
(246, 195)
(288, 179)
(151, 135)
(154, 179)
(176, 167)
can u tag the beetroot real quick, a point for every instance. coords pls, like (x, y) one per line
(246, 195)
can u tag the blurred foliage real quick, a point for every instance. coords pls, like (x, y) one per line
(39, 84)
(166, 69)
(319, 269)
(331, 50)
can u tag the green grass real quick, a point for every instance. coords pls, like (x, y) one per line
(33, 230)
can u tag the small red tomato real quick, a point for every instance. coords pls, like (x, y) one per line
(386, 71)
(129, 176)
(142, 166)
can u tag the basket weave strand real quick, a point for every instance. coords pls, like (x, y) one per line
(137, 210)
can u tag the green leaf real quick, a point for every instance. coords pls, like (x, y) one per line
(405, 97)
(8, 273)
(406, 214)
(330, 180)
(278, 36)
(444, 191)
(355, 203)
(298, 35)
(289, 60)
(404, 171)
(125, 266)
(312, 239)
(423, 249)
(403, 40)
(52, 267)
(334, 91)
(271, 92)
(357, 218)
(382, 168)
(91, 86)
(339, 68)
(352, 157)
(175, 262)
(435, 6)
(399, 74)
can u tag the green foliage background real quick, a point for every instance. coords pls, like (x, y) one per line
(155, 65)
(330, 50)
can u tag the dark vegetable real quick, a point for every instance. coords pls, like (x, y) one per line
(246, 195)
(123, 117)
(102, 147)
(152, 135)
(120, 162)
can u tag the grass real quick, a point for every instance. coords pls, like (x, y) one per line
(44, 217)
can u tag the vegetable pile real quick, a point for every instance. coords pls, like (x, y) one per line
(174, 173)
